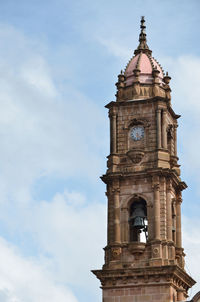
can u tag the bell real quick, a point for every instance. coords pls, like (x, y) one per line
(138, 216)
(138, 222)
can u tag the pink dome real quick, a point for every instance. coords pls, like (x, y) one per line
(142, 65)
(144, 62)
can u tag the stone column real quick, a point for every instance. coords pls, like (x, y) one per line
(175, 140)
(156, 84)
(150, 215)
(156, 188)
(124, 225)
(174, 220)
(109, 215)
(169, 211)
(117, 237)
(164, 129)
(113, 131)
(178, 221)
(158, 120)
(180, 295)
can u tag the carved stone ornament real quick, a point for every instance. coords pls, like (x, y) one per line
(170, 130)
(157, 278)
(173, 160)
(155, 252)
(136, 247)
(116, 251)
(142, 121)
(135, 155)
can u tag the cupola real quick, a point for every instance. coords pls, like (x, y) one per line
(143, 76)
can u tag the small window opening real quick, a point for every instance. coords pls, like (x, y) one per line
(138, 221)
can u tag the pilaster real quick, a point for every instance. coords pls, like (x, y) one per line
(113, 130)
(158, 120)
(169, 210)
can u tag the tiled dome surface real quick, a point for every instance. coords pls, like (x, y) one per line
(146, 64)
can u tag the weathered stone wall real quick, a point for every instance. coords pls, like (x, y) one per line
(140, 293)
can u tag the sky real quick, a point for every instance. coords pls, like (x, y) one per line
(59, 62)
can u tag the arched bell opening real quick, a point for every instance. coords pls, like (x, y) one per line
(138, 224)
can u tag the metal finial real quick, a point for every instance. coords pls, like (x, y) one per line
(142, 47)
(142, 25)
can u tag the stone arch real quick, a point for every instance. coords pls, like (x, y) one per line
(125, 210)
(196, 297)
(137, 218)
(128, 201)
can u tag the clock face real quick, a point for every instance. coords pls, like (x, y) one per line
(137, 133)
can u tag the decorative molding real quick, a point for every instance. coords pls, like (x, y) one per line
(132, 197)
(171, 273)
(141, 121)
(170, 130)
(115, 253)
(169, 184)
(112, 112)
(136, 247)
(156, 187)
(116, 190)
(136, 155)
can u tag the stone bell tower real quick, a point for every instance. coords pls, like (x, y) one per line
(144, 257)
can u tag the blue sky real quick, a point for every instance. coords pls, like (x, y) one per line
(59, 62)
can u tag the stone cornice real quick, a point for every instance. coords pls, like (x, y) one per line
(136, 101)
(149, 100)
(168, 173)
(137, 276)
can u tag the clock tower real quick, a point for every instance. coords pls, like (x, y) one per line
(144, 257)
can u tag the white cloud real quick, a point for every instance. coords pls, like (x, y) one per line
(114, 48)
(73, 232)
(185, 72)
(185, 81)
(25, 280)
(42, 131)
(65, 228)
(68, 234)
(191, 244)
(45, 133)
